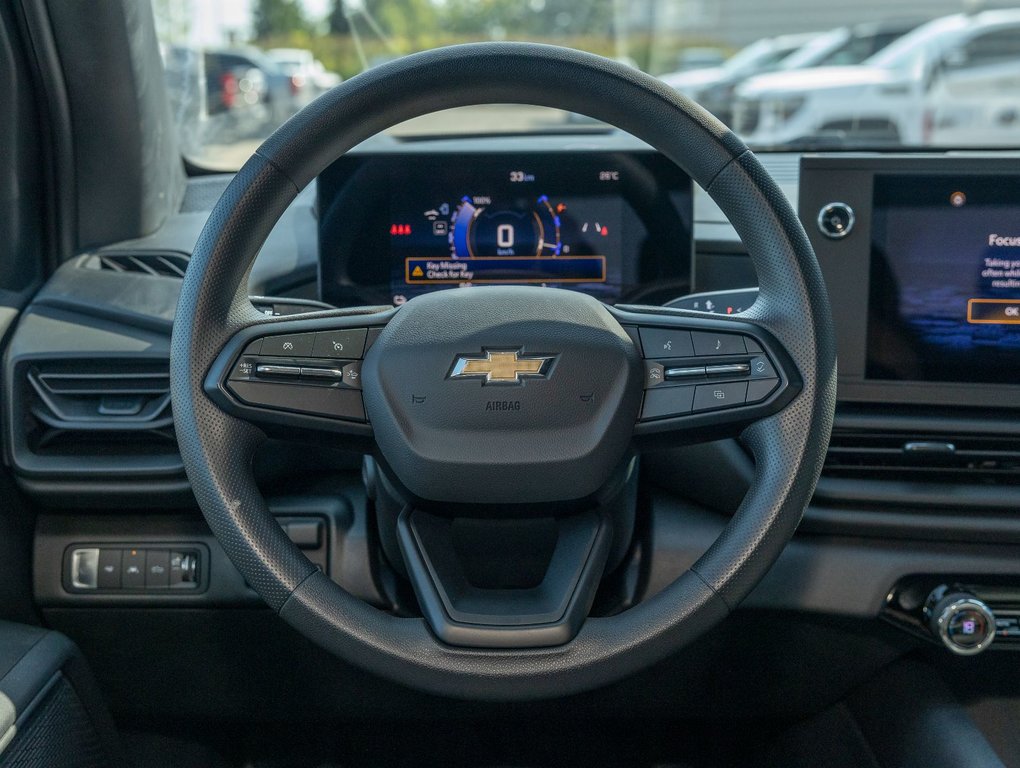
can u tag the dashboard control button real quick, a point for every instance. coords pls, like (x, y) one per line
(328, 374)
(710, 396)
(109, 568)
(761, 368)
(294, 345)
(759, 389)
(348, 343)
(836, 220)
(134, 569)
(686, 372)
(183, 570)
(663, 342)
(731, 369)
(85, 568)
(718, 343)
(157, 569)
(331, 402)
(243, 369)
(254, 348)
(667, 401)
(964, 624)
(269, 369)
(352, 375)
(655, 374)
(753, 347)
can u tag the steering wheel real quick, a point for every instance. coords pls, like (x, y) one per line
(504, 403)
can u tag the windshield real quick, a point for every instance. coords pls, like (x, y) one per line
(236, 69)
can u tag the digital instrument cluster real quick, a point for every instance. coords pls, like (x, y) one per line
(614, 225)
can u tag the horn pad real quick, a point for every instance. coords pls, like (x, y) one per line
(503, 395)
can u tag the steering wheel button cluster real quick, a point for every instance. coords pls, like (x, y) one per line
(706, 343)
(666, 342)
(708, 397)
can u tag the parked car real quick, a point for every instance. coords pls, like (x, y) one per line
(847, 46)
(308, 77)
(277, 90)
(713, 87)
(890, 99)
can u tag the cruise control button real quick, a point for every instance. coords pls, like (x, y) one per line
(710, 396)
(663, 342)
(352, 375)
(294, 345)
(761, 368)
(331, 402)
(268, 369)
(667, 401)
(760, 389)
(655, 373)
(348, 343)
(706, 343)
(327, 374)
(243, 369)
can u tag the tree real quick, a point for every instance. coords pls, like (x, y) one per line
(337, 19)
(274, 18)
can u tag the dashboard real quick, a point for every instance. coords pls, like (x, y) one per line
(615, 225)
(920, 253)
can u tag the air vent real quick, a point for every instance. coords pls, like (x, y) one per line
(933, 458)
(159, 263)
(99, 409)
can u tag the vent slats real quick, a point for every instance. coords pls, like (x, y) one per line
(903, 456)
(155, 263)
(88, 408)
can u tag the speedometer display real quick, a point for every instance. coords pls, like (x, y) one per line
(595, 222)
(506, 229)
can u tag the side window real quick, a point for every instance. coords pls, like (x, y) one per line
(998, 47)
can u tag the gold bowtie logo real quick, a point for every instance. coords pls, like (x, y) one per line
(501, 366)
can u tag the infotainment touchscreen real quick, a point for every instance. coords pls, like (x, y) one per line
(944, 300)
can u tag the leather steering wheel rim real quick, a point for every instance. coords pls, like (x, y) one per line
(788, 446)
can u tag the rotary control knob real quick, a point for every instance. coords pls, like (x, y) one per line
(964, 624)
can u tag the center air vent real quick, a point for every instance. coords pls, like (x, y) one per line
(90, 408)
(934, 458)
(159, 263)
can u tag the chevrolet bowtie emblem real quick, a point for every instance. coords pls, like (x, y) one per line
(501, 366)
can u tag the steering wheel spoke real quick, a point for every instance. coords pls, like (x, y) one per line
(297, 374)
(706, 378)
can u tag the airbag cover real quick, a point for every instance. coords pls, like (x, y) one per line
(552, 436)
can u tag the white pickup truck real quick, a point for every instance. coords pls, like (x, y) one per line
(907, 94)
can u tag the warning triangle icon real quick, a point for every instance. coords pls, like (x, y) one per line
(417, 272)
